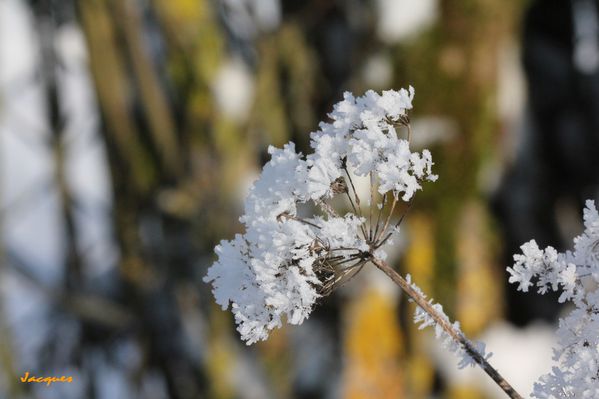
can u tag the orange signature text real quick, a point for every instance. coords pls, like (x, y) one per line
(44, 380)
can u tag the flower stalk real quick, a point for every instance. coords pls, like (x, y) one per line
(441, 321)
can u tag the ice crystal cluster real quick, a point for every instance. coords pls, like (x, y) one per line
(576, 275)
(296, 246)
(424, 320)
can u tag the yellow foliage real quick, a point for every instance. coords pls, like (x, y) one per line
(463, 392)
(420, 255)
(373, 346)
(192, 28)
(221, 357)
(479, 288)
(282, 107)
(420, 258)
(276, 356)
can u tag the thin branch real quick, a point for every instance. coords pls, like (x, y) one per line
(289, 216)
(351, 202)
(344, 249)
(351, 183)
(333, 264)
(370, 229)
(386, 225)
(384, 240)
(378, 218)
(326, 208)
(447, 327)
(358, 211)
(348, 273)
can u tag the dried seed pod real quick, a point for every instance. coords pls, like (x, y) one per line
(339, 186)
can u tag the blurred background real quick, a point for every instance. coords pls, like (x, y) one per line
(130, 131)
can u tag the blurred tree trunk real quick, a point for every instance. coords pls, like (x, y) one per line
(454, 68)
(146, 160)
(7, 358)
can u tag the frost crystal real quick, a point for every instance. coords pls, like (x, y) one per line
(284, 261)
(425, 320)
(576, 275)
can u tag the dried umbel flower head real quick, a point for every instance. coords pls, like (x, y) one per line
(285, 261)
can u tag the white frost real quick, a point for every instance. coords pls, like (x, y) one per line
(276, 270)
(576, 374)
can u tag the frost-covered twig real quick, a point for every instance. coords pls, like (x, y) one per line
(435, 316)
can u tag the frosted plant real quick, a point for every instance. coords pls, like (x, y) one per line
(576, 275)
(466, 353)
(298, 247)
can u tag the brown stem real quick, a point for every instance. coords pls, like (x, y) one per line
(297, 219)
(370, 228)
(386, 225)
(358, 211)
(384, 240)
(378, 218)
(350, 271)
(351, 182)
(326, 208)
(449, 329)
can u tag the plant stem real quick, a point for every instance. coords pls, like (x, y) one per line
(357, 211)
(378, 218)
(453, 333)
(371, 228)
(403, 215)
(386, 225)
